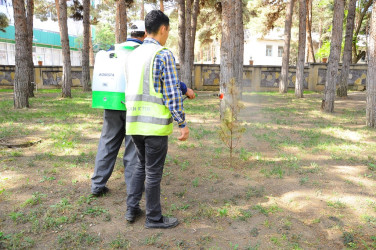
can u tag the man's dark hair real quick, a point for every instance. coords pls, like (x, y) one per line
(137, 34)
(154, 20)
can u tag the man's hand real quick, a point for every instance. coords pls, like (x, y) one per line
(184, 134)
(190, 93)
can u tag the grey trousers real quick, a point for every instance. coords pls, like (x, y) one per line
(113, 133)
(151, 151)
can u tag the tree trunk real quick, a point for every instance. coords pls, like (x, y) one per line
(121, 22)
(227, 51)
(142, 11)
(347, 53)
(86, 47)
(299, 84)
(310, 52)
(186, 70)
(371, 74)
(239, 44)
(21, 99)
(284, 82)
(181, 28)
(335, 52)
(363, 12)
(63, 26)
(196, 9)
(29, 20)
(91, 53)
(161, 5)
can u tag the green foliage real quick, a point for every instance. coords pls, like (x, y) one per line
(4, 22)
(120, 243)
(324, 51)
(104, 37)
(35, 199)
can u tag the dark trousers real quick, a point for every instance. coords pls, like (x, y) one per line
(151, 151)
(113, 134)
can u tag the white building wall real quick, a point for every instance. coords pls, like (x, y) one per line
(256, 49)
(49, 56)
(75, 28)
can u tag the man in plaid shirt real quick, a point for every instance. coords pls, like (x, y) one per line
(148, 121)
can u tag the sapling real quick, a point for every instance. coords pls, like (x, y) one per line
(231, 129)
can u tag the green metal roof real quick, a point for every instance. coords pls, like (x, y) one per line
(40, 37)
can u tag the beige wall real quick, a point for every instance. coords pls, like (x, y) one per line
(206, 77)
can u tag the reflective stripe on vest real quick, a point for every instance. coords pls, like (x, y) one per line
(146, 112)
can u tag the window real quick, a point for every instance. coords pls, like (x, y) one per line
(268, 50)
(55, 57)
(3, 54)
(47, 56)
(11, 54)
(76, 58)
(40, 54)
(280, 51)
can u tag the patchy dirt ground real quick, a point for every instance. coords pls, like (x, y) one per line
(299, 178)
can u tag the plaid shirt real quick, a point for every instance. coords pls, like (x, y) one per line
(166, 81)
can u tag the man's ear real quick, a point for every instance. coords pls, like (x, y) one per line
(164, 28)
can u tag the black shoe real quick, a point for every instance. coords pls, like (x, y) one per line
(165, 222)
(132, 214)
(101, 192)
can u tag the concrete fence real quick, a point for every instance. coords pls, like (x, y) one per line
(206, 77)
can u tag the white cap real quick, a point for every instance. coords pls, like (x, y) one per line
(137, 26)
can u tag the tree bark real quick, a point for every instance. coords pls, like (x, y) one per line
(239, 45)
(161, 5)
(299, 84)
(347, 54)
(142, 11)
(196, 10)
(227, 72)
(92, 58)
(29, 18)
(284, 82)
(310, 52)
(371, 74)
(181, 11)
(63, 26)
(186, 69)
(335, 52)
(86, 46)
(21, 98)
(121, 22)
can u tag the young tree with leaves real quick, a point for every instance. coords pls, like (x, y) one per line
(347, 53)
(284, 82)
(21, 77)
(371, 74)
(299, 84)
(335, 52)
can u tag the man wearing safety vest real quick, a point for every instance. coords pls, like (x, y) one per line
(153, 100)
(113, 131)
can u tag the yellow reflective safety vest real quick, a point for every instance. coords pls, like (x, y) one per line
(146, 112)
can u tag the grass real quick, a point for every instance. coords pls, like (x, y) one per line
(291, 158)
